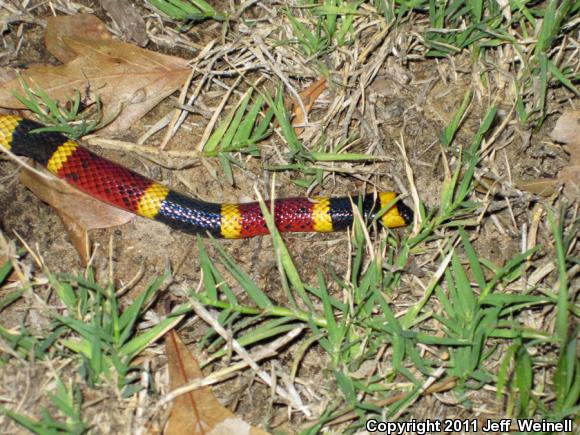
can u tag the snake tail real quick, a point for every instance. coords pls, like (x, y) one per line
(121, 187)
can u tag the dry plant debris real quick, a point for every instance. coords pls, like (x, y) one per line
(126, 17)
(129, 81)
(308, 97)
(567, 132)
(198, 411)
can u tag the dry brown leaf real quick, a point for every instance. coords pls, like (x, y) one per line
(7, 74)
(78, 211)
(566, 131)
(84, 26)
(199, 411)
(570, 176)
(308, 96)
(79, 237)
(540, 186)
(129, 21)
(123, 76)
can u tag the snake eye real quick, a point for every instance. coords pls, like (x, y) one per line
(405, 212)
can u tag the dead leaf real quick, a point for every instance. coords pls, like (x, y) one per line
(570, 176)
(78, 211)
(199, 411)
(7, 74)
(309, 97)
(129, 21)
(566, 131)
(84, 26)
(79, 237)
(540, 186)
(122, 75)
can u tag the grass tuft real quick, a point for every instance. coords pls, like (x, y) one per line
(68, 402)
(188, 11)
(71, 118)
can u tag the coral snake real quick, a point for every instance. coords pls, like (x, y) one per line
(123, 188)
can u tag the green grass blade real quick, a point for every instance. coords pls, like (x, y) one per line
(474, 264)
(136, 345)
(257, 295)
(449, 132)
(562, 309)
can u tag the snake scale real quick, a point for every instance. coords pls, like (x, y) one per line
(121, 187)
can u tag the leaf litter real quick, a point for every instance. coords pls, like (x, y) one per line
(128, 80)
(198, 411)
(309, 97)
(567, 132)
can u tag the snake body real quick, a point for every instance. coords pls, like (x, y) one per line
(121, 187)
